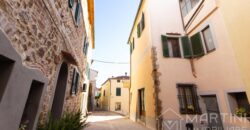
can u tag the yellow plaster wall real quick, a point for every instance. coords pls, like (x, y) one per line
(105, 99)
(237, 20)
(141, 70)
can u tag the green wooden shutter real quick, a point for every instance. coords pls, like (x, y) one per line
(84, 44)
(197, 46)
(133, 44)
(73, 82)
(138, 30)
(164, 40)
(131, 48)
(77, 13)
(71, 3)
(187, 52)
(143, 21)
(77, 82)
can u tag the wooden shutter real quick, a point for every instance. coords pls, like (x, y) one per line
(77, 82)
(71, 3)
(143, 21)
(186, 47)
(197, 46)
(165, 51)
(87, 46)
(133, 43)
(73, 82)
(118, 91)
(131, 48)
(77, 13)
(84, 44)
(138, 30)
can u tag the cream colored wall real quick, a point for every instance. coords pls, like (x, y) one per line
(237, 19)
(124, 98)
(217, 72)
(172, 70)
(141, 70)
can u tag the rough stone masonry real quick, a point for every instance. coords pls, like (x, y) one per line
(40, 30)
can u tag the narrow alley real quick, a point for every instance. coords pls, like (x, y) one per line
(103, 120)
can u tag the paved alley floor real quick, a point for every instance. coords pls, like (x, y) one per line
(111, 121)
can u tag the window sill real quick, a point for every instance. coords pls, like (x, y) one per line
(208, 52)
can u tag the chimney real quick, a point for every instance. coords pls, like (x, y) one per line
(126, 74)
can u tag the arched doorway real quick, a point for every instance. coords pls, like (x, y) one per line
(58, 101)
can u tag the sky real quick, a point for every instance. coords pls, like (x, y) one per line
(113, 23)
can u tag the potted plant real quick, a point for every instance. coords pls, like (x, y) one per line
(242, 112)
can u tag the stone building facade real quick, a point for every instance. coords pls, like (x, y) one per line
(115, 95)
(54, 38)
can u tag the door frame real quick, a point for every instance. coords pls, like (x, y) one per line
(143, 121)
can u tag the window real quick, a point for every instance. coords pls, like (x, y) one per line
(77, 13)
(174, 47)
(75, 82)
(118, 106)
(239, 104)
(118, 80)
(188, 99)
(208, 39)
(84, 87)
(104, 93)
(141, 26)
(75, 5)
(171, 47)
(118, 91)
(187, 6)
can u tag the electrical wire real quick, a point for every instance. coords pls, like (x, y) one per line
(109, 62)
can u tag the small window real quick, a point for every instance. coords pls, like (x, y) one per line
(118, 91)
(239, 104)
(84, 87)
(174, 47)
(118, 106)
(118, 80)
(104, 94)
(171, 47)
(208, 39)
(188, 99)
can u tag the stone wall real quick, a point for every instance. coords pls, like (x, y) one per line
(39, 30)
